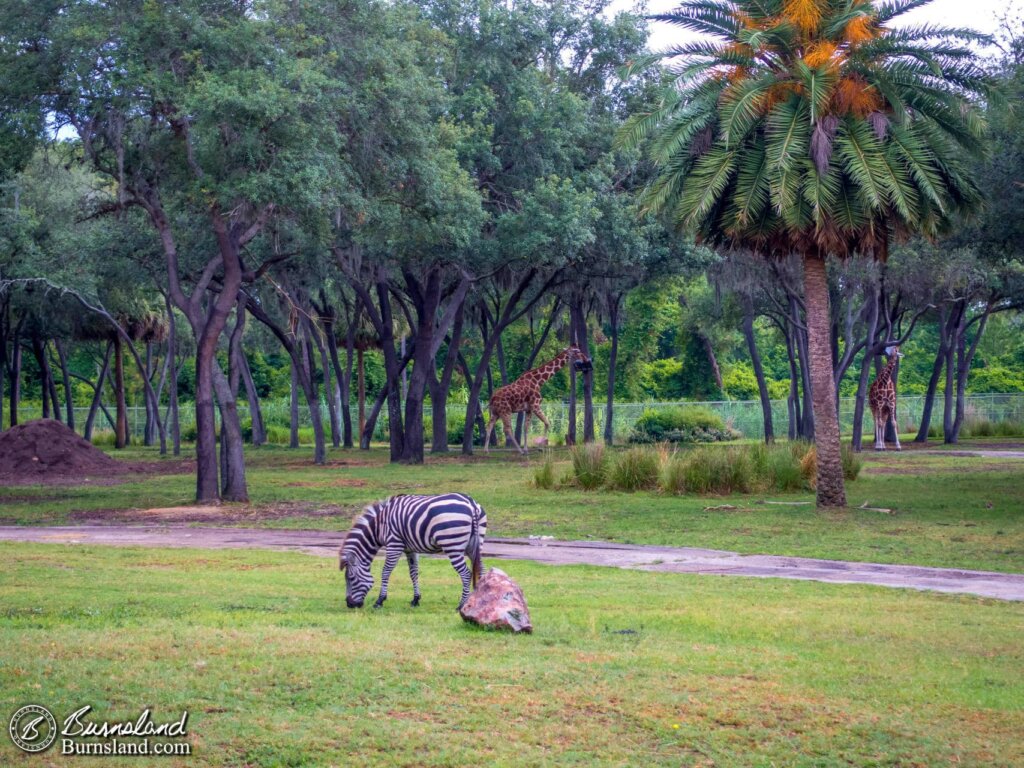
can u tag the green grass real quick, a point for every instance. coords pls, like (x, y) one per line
(950, 511)
(276, 672)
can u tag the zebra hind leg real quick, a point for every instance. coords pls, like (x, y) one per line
(458, 561)
(414, 574)
(390, 561)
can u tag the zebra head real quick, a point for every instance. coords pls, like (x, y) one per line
(356, 557)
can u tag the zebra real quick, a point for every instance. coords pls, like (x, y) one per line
(451, 523)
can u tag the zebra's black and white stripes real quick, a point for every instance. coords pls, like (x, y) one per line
(452, 523)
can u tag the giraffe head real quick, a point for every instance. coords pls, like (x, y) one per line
(578, 358)
(893, 350)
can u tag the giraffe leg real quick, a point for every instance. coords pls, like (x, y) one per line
(540, 415)
(526, 431)
(490, 429)
(506, 422)
(895, 428)
(879, 433)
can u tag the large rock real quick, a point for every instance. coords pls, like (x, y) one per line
(497, 603)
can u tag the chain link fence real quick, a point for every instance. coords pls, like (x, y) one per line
(741, 415)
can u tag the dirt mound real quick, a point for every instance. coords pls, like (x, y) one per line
(46, 450)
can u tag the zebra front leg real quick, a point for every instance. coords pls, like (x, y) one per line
(414, 574)
(390, 561)
(458, 560)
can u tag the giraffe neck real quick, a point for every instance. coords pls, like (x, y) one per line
(890, 366)
(544, 372)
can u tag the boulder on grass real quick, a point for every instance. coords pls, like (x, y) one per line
(497, 603)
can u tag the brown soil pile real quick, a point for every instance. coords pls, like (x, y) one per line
(46, 450)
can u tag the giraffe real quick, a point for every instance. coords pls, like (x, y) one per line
(523, 394)
(882, 400)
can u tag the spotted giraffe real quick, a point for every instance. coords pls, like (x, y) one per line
(523, 395)
(882, 400)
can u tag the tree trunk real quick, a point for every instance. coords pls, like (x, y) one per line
(259, 429)
(583, 341)
(393, 372)
(439, 387)
(965, 356)
(614, 302)
(762, 385)
(69, 401)
(4, 323)
(172, 393)
(98, 393)
(15, 396)
(342, 377)
(152, 411)
(865, 374)
(232, 444)
(121, 432)
(793, 402)
(830, 490)
(947, 410)
(307, 379)
(293, 441)
(44, 389)
(933, 385)
(361, 374)
(330, 383)
(804, 354)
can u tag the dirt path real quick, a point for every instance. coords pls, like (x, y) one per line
(1003, 586)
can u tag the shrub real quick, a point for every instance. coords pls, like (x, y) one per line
(673, 475)
(279, 435)
(691, 424)
(544, 475)
(634, 469)
(713, 470)
(589, 465)
(975, 427)
(809, 467)
(103, 438)
(852, 464)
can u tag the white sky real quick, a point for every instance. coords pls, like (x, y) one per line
(981, 15)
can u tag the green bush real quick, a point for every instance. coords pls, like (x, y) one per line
(277, 435)
(544, 475)
(778, 466)
(589, 465)
(634, 469)
(673, 475)
(852, 464)
(721, 471)
(689, 424)
(995, 378)
(975, 427)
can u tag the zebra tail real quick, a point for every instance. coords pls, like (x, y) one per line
(474, 552)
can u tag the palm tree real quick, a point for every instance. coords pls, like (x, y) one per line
(813, 127)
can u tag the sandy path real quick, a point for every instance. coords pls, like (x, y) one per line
(1003, 586)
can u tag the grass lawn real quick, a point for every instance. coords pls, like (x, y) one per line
(624, 668)
(948, 510)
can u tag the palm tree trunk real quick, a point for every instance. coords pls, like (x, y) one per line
(831, 492)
